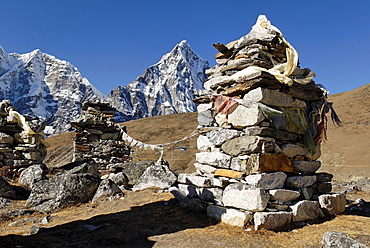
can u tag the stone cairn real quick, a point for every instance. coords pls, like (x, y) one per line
(98, 138)
(21, 140)
(262, 119)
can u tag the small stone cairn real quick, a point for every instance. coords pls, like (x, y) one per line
(21, 139)
(262, 119)
(98, 138)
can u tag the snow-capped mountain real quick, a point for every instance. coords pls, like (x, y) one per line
(164, 88)
(40, 85)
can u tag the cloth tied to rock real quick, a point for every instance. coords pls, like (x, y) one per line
(222, 104)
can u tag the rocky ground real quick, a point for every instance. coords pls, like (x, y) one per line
(152, 218)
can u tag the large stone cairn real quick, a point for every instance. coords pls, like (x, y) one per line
(98, 138)
(21, 139)
(258, 153)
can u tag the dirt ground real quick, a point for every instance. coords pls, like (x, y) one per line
(152, 218)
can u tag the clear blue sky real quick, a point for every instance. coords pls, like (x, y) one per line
(112, 42)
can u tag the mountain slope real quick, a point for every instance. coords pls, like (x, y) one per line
(164, 88)
(40, 85)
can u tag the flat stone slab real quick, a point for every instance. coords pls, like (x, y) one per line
(229, 173)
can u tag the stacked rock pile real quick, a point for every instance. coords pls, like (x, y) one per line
(263, 119)
(98, 138)
(21, 139)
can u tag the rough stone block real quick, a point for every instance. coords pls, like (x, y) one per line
(229, 216)
(269, 162)
(306, 210)
(333, 239)
(273, 180)
(204, 144)
(247, 145)
(272, 220)
(239, 163)
(242, 196)
(211, 195)
(269, 97)
(283, 195)
(217, 159)
(333, 204)
(205, 118)
(243, 116)
(306, 166)
(297, 182)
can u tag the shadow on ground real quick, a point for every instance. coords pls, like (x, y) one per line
(132, 228)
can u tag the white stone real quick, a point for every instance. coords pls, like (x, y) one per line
(242, 196)
(204, 107)
(333, 239)
(333, 204)
(297, 182)
(272, 220)
(204, 144)
(283, 195)
(269, 97)
(273, 180)
(221, 120)
(239, 163)
(217, 159)
(188, 190)
(243, 116)
(194, 180)
(218, 137)
(306, 210)
(220, 182)
(229, 216)
(211, 195)
(204, 168)
(306, 166)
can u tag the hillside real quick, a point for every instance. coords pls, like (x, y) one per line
(345, 153)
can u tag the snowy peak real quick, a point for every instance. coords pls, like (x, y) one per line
(164, 88)
(39, 85)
